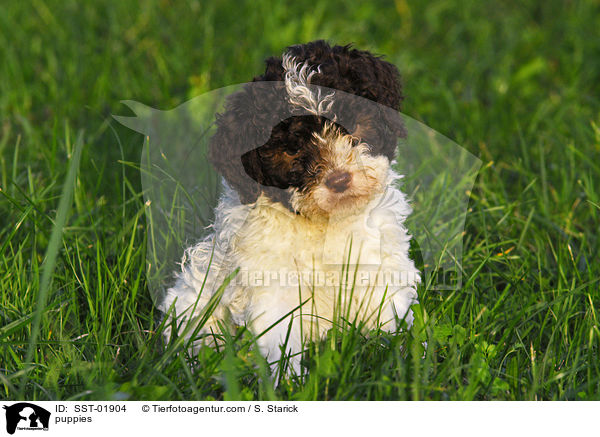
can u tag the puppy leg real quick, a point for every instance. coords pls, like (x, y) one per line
(279, 336)
(186, 307)
(396, 312)
(194, 299)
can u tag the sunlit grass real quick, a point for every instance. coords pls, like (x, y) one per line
(515, 85)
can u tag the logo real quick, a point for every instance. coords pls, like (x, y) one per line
(26, 416)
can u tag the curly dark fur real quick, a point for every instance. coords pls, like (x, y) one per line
(263, 145)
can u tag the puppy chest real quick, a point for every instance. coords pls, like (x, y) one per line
(274, 242)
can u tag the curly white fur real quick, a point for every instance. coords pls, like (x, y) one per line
(271, 245)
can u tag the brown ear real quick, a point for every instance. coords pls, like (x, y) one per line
(245, 125)
(389, 90)
(382, 79)
(227, 145)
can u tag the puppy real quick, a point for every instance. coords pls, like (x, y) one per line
(309, 212)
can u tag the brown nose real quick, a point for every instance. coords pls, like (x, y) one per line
(338, 181)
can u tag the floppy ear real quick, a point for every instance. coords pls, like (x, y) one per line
(394, 129)
(379, 79)
(387, 88)
(227, 145)
(245, 125)
(381, 83)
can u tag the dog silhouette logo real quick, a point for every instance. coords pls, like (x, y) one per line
(26, 416)
(178, 176)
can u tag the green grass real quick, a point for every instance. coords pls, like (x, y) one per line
(514, 83)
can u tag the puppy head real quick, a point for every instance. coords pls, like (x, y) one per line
(343, 177)
(306, 140)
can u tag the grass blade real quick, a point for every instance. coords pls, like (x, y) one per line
(52, 253)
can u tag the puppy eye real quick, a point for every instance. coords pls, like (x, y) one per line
(292, 153)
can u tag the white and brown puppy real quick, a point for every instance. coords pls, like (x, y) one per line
(309, 213)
